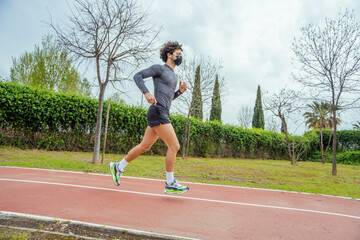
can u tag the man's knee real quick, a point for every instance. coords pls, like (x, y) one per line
(144, 148)
(175, 147)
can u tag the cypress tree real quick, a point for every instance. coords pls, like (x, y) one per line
(258, 118)
(215, 113)
(196, 103)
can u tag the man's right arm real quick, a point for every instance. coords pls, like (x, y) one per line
(139, 77)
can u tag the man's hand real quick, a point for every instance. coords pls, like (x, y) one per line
(150, 98)
(183, 86)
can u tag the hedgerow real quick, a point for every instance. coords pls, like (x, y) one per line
(346, 139)
(37, 118)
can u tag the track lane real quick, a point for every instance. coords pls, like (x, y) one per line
(184, 216)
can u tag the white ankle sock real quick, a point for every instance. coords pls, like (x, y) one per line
(169, 177)
(122, 164)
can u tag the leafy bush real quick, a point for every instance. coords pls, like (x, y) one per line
(43, 110)
(351, 157)
(36, 118)
(346, 139)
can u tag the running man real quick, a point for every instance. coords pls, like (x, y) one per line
(159, 125)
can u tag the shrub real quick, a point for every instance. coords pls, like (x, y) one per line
(346, 139)
(350, 158)
(36, 118)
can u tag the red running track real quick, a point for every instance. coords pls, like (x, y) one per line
(205, 212)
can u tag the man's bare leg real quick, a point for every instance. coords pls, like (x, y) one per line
(149, 139)
(167, 134)
(117, 169)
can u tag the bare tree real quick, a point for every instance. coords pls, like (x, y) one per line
(244, 116)
(112, 36)
(209, 68)
(328, 62)
(272, 124)
(283, 105)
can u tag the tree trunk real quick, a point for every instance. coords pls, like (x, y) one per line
(187, 133)
(293, 161)
(98, 124)
(334, 169)
(185, 137)
(328, 145)
(288, 144)
(188, 140)
(105, 133)
(322, 147)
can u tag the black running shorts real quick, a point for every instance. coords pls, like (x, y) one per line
(157, 115)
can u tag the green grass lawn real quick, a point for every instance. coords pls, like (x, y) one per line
(311, 177)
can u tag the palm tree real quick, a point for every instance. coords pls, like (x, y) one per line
(320, 118)
(357, 125)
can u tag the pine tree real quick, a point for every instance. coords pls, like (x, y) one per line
(215, 113)
(196, 103)
(258, 118)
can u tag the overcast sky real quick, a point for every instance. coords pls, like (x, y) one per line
(252, 38)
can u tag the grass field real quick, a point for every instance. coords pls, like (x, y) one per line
(310, 177)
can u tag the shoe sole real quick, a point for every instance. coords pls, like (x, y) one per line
(112, 174)
(176, 193)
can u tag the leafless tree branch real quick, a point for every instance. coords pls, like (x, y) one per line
(115, 35)
(328, 61)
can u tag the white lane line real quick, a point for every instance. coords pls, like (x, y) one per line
(181, 197)
(132, 231)
(205, 184)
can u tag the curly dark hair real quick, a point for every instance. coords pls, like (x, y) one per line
(169, 47)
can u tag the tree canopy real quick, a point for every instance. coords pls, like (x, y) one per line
(49, 66)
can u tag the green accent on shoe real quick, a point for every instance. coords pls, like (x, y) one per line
(114, 174)
(179, 191)
(175, 188)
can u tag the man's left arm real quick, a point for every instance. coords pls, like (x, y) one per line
(182, 89)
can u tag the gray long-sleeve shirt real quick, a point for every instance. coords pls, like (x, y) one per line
(165, 82)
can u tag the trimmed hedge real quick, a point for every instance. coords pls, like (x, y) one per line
(347, 140)
(351, 158)
(37, 118)
(40, 110)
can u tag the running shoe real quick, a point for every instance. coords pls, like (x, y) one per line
(175, 188)
(116, 174)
